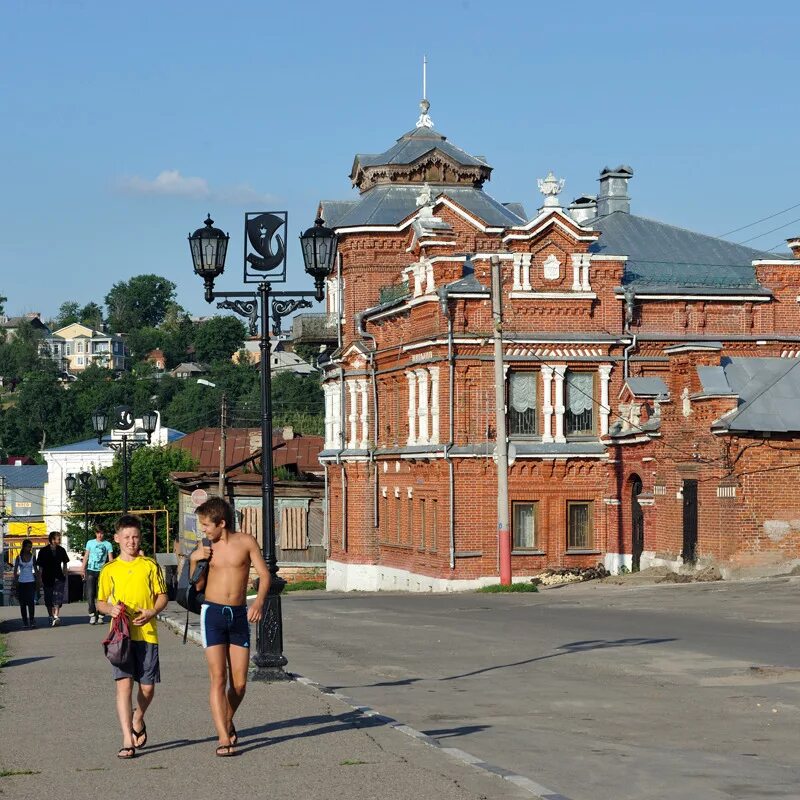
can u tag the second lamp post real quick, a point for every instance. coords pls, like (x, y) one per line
(265, 265)
(84, 481)
(124, 437)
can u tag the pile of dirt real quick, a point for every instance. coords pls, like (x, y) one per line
(704, 575)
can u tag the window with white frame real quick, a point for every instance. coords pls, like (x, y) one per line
(580, 533)
(524, 527)
(579, 403)
(522, 409)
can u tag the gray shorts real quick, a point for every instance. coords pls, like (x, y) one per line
(144, 667)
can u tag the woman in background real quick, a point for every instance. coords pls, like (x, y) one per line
(26, 579)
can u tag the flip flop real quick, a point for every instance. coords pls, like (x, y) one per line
(139, 734)
(126, 752)
(225, 751)
(233, 736)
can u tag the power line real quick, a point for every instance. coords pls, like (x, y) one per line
(763, 219)
(791, 222)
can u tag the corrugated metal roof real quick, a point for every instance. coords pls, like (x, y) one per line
(203, 445)
(24, 477)
(665, 255)
(769, 394)
(390, 205)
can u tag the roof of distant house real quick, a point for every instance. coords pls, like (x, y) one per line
(32, 476)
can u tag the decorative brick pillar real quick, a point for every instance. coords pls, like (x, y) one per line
(412, 408)
(434, 372)
(422, 387)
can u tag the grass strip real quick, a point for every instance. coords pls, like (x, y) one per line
(497, 588)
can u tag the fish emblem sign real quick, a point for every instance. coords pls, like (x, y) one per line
(266, 234)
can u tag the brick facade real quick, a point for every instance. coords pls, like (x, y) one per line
(412, 492)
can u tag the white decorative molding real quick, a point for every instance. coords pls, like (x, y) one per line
(434, 373)
(364, 417)
(547, 406)
(559, 371)
(422, 408)
(556, 352)
(517, 282)
(412, 408)
(352, 416)
(526, 272)
(551, 268)
(575, 295)
(726, 491)
(604, 370)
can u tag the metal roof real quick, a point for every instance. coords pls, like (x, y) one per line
(769, 394)
(665, 255)
(24, 476)
(390, 205)
(713, 380)
(647, 387)
(414, 144)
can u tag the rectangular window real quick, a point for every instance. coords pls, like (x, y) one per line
(422, 523)
(522, 403)
(434, 522)
(580, 535)
(78, 347)
(524, 526)
(398, 521)
(579, 402)
(68, 349)
(80, 361)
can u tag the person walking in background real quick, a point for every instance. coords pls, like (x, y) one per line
(26, 580)
(134, 585)
(224, 617)
(52, 562)
(97, 553)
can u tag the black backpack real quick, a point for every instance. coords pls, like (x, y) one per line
(187, 595)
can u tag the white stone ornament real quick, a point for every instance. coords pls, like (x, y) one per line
(552, 268)
(425, 197)
(551, 187)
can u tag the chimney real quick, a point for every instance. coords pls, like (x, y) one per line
(614, 190)
(794, 246)
(583, 208)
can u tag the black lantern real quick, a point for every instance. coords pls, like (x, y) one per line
(99, 423)
(150, 423)
(84, 478)
(69, 482)
(102, 482)
(209, 246)
(319, 253)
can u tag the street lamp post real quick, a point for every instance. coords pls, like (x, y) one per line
(262, 266)
(84, 481)
(128, 438)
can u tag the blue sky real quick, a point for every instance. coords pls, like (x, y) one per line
(124, 124)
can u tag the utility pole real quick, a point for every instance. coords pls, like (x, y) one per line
(222, 443)
(501, 443)
(2, 540)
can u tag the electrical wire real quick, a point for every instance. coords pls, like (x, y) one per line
(763, 219)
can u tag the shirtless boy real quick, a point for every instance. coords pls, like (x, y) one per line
(225, 617)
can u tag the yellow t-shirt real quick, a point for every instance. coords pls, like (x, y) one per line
(136, 583)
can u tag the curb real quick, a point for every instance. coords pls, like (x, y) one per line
(538, 792)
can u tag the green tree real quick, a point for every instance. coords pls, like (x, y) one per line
(149, 487)
(141, 301)
(218, 338)
(142, 341)
(68, 312)
(92, 315)
(34, 421)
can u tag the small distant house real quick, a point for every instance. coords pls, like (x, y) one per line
(188, 369)
(157, 359)
(76, 347)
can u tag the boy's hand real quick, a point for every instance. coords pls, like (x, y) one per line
(117, 609)
(144, 616)
(255, 612)
(200, 553)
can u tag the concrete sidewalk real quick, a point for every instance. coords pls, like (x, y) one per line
(58, 723)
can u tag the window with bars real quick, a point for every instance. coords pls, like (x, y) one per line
(580, 534)
(579, 401)
(522, 410)
(525, 529)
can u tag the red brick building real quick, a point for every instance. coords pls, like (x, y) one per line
(630, 350)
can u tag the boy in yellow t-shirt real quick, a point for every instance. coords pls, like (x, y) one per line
(133, 585)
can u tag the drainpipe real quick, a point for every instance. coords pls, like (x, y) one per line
(445, 306)
(342, 399)
(364, 335)
(628, 299)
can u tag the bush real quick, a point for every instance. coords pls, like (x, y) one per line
(496, 588)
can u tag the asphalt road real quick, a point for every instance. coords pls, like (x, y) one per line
(597, 692)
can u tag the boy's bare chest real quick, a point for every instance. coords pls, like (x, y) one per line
(229, 557)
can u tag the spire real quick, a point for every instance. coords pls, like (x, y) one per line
(424, 120)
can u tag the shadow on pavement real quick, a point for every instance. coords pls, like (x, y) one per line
(18, 662)
(571, 647)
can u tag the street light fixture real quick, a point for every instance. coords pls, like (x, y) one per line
(84, 482)
(127, 439)
(265, 265)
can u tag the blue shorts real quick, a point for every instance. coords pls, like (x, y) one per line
(224, 625)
